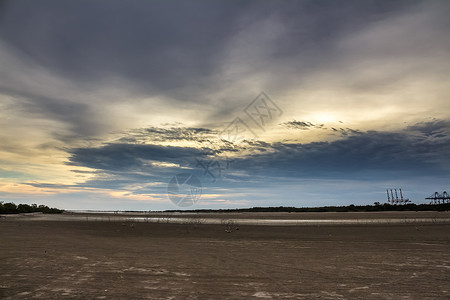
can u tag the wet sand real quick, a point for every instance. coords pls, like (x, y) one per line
(272, 218)
(94, 257)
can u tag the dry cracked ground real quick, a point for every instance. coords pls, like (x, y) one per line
(123, 260)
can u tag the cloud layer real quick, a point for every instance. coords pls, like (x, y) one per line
(109, 99)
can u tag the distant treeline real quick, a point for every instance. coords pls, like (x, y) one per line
(350, 208)
(11, 208)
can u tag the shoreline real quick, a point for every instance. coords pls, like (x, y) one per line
(260, 219)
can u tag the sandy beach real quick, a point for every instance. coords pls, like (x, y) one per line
(93, 257)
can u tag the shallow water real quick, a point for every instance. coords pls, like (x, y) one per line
(285, 222)
(218, 221)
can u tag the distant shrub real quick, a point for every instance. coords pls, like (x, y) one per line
(11, 208)
(350, 208)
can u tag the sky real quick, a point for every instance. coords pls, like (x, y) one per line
(111, 105)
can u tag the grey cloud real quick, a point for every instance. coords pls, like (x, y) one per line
(361, 155)
(131, 157)
(181, 51)
(384, 153)
(303, 125)
(82, 121)
(436, 128)
(156, 44)
(161, 134)
(165, 46)
(120, 166)
(208, 140)
(345, 131)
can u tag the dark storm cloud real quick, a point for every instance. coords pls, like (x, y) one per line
(357, 155)
(165, 45)
(120, 166)
(360, 155)
(131, 157)
(156, 44)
